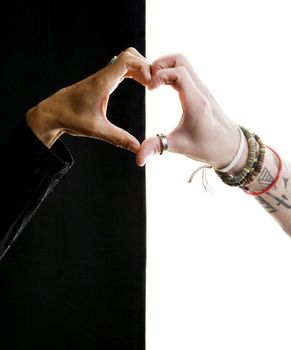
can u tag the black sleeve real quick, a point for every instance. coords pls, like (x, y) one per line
(29, 171)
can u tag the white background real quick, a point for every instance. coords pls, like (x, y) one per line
(218, 266)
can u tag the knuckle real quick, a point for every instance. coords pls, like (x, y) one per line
(123, 143)
(180, 58)
(125, 55)
(120, 142)
(131, 49)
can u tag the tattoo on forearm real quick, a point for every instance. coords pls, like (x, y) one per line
(269, 208)
(285, 180)
(280, 201)
(265, 178)
(275, 160)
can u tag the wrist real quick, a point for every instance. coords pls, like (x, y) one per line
(242, 160)
(234, 153)
(43, 125)
(253, 166)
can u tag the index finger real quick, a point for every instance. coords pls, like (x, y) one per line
(181, 81)
(179, 60)
(129, 64)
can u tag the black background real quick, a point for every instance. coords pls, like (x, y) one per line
(75, 279)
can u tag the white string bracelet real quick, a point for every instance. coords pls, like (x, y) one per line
(237, 156)
(205, 183)
(204, 166)
(231, 165)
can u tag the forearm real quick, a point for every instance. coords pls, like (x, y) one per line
(261, 173)
(277, 201)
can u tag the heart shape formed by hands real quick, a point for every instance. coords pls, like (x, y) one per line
(203, 125)
(80, 109)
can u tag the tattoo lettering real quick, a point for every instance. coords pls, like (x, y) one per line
(267, 206)
(285, 180)
(280, 201)
(265, 178)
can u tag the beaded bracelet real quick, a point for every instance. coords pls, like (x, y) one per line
(253, 167)
(273, 184)
(254, 173)
(240, 179)
(254, 163)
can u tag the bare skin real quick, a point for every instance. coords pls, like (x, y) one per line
(80, 109)
(206, 134)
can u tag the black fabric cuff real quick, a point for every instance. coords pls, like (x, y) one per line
(29, 172)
